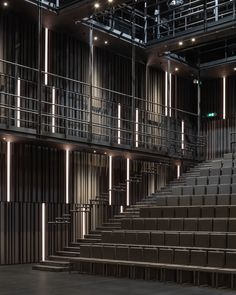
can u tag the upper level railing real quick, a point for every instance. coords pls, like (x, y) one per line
(146, 22)
(73, 110)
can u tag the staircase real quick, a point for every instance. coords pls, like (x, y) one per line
(59, 262)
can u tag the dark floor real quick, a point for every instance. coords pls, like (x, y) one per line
(24, 281)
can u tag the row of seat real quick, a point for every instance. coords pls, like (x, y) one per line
(217, 171)
(196, 200)
(161, 255)
(178, 239)
(181, 224)
(212, 189)
(192, 211)
(204, 180)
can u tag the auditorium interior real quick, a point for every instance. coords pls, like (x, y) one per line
(117, 147)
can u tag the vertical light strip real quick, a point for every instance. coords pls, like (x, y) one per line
(18, 103)
(67, 176)
(119, 123)
(53, 109)
(83, 223)
(182, 135)
(136, 128)
(46, 57)
(121, 209)
(43, 231)
(170, 94)
(110, 179)
(127, 184)
(224, 96)
(8, 171)
(178, 171)
(166, 94)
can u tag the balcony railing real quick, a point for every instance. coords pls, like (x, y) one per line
(73, 110)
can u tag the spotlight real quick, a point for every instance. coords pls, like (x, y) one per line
(106, 42)
(94, 152)
(95, 38)
(193, 39)
(4, 138)
(176, 69)
(96, 5)
(110, 1)
(234, 69)
(180, 43)
(105, 153)
(5, 4)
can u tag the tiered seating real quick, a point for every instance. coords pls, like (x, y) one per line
(189, 236)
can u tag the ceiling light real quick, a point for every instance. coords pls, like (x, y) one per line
(96, 5)
(105, 153)
(180, 43)
(5, 4)
(234, 69)
(176, 69)
(106, 42)
(94, 152)
(110, 1)
(4, 138)
(95, 38)
(193, 39)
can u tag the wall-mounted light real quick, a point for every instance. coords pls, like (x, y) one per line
(53, 108)
(18, 103)
(119, 124)
(166, 94)
(182, 135)
(127, 181)
(224, 98)
(46, 57)
(136, 127)
(110, 179)
(43, 232)
(178, 171)
(8, 171)
(67, 176)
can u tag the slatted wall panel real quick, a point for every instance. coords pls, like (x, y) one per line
(89, 176)
(38, 174)
(217, 133)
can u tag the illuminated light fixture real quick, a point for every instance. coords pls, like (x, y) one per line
(8, 171)
(105, 153)
(67, 176)
(182, 135)
(180, 43)
(224, 97)
(110, 1)
(4, 138)
(136, 128)
(234, 69)
(106, 42)
(18, 104)
(211, 115)
(170, 94)
(119, 124)
(95, 38)
(121, 209)
(96, 5)
(5, 4)
(128, 182)
(46, 57)
(193, 39)
(175, 3)
(53, 109)
(83, 222)
(110, 179)
(176, 69)
(94, 152)
(166, 94)
(43, 232)
(178, 171)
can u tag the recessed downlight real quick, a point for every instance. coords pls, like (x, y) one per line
(176, 69)
(95, 38)
(193, 39)
(5, 4)
(106, 42)
(96, 5)
(180, 43)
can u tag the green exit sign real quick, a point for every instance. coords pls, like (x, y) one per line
(211, 115)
